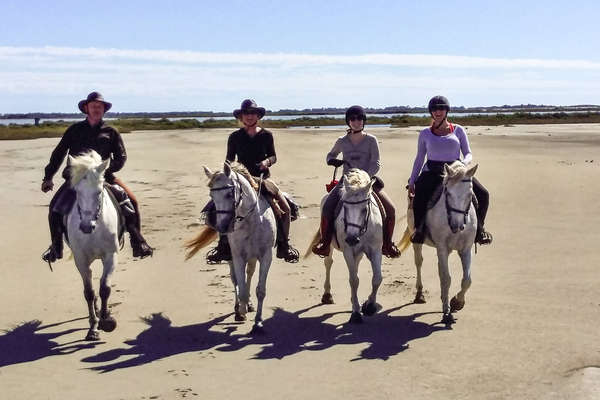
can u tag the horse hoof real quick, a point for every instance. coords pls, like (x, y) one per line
(368, 309)
(250, 307)
(257, 328)
(92, 336)
(448, 319)
(327, 299)
(356, 318)
(456, 305)
(107, 324)
(419, 298)
(239, 317)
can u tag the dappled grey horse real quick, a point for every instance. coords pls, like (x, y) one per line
(451, 225)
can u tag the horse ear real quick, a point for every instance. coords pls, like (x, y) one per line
(472, 170)
(372, 182)
(208, 172)
(227, 169)
(446, 173)
(102, 167)
(70, 159)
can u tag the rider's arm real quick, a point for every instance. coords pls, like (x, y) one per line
(270, 150)
(335, 150)
(58, 155)
(465, 148)
(374, 161)
(118, 153)
(419, 158)
(230, 156)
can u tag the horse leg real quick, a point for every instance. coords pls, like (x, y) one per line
(261, 288)
(107, 322)
(327, 298)
(445, 281)
(242, 290)
(249, 274)
(418, 251)
(369, 307)
(352, 264)
(83, 265)
(458, 301)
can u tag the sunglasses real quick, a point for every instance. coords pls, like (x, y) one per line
(355, 118)
(249, 112)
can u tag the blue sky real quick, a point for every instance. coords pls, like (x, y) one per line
(209, 55)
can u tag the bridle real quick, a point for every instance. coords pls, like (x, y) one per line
(362, 227)
(98, 209)
(237, 200)
(450, 209)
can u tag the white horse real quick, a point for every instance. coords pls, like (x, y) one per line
(359, 232)
(251, 229)
(92, 229)
(451, 224)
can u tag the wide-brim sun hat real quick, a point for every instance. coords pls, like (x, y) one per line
(249, 105)
(94, 96)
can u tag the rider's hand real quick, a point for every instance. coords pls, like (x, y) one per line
(411, 190)
(335, 162)
(264, 164)
(47, 185)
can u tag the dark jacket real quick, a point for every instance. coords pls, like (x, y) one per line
(80, 138)
(250, 150)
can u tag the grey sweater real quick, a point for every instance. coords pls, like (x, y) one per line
(364, 155)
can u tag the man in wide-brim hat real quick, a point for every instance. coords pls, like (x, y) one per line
(81, 137)
(253, 147)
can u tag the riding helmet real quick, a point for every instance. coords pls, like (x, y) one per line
(438, 103)
(356, 110)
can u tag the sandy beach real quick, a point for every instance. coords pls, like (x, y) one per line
(529, 329)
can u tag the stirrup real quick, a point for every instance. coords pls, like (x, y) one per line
(484, 238)
(391, 251)
(319, 247)
(143, 250)
(216, 256)
(288, 253)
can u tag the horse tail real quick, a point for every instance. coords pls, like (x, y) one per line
(405, 241)
(206, 236)
(314, 241)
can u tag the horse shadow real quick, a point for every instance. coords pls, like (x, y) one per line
(25, 342)
(284, 334)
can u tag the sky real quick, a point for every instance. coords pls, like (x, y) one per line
(210, 55)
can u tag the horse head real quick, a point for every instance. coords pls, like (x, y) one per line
(356, 200)
(87, 179)
(458, 193)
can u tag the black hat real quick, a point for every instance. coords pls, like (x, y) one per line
(358, 111)
(438, 103)
(249, 105)
(94, 96)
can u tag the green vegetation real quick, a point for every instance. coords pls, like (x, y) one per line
(125, 125)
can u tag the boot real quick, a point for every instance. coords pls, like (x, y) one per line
(389, 249)
(418, 236)
(322, 248)
(138, 243)
(55, 251)
(482, 237)
(220, 253)
(287, 252)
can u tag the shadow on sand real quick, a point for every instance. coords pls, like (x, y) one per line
(285, 334)
(25, 343)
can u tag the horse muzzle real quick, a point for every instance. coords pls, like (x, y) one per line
(87, 228)
(352, 240)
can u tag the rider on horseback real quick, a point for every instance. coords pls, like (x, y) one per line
(90, 134)
(254, 148)
(442, 144)
(359, 150)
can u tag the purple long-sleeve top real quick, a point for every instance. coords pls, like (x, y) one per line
(440, 148)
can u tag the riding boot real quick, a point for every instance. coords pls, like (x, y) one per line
(220, 253)
(284, 249)
(323, 247)
(55, 251)
(138, 243)
(389, 249)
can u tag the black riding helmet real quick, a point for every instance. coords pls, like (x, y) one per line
(439, 103)
(356, 110)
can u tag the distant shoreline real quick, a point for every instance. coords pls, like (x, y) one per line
(126, 125)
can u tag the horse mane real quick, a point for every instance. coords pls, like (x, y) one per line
(238, 168)
(357, 179)
(82, 164)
